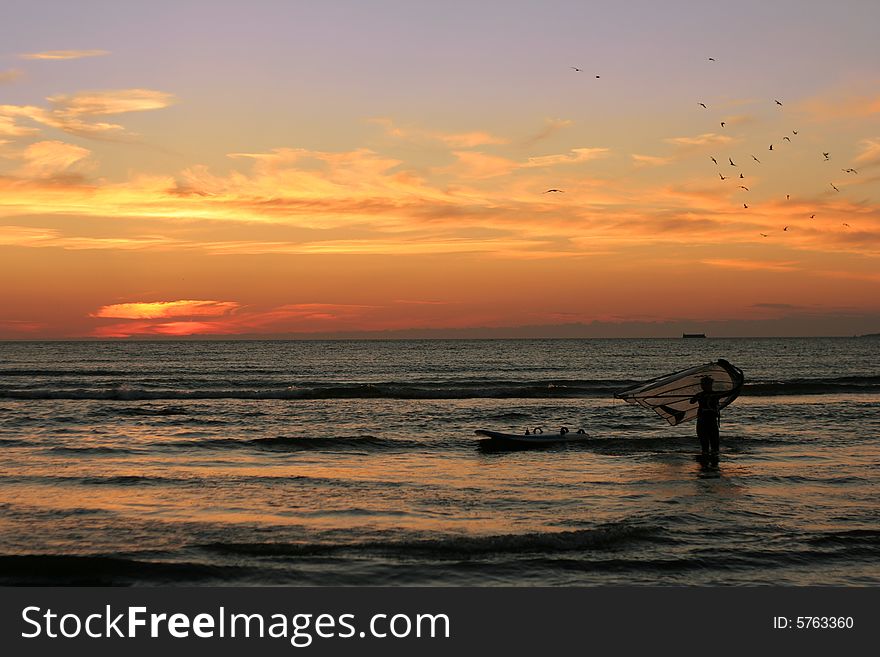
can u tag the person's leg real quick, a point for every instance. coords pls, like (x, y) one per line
(714, 438)
(703, 435)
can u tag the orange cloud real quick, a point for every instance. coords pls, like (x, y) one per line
(21, 325)
(739, 119)
(27, 236)
(752, 265)
(650, 160)
(577, 156)
(290, 317)
(64, 54)
(9, 76)
(90, 103)
(870, 155)
(551, 128)
(10, 128)
(840, 106)
(700, 141)
(132, 329)
(166, 309)
(45, 159)
(480, 165)
(453, 140)
(71, 112)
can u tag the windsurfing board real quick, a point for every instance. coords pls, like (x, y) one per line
(533, 439)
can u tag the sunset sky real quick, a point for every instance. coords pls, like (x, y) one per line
(179, 168)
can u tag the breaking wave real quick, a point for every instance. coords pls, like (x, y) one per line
(561, 389)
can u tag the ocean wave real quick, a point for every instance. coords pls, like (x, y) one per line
(863, 537)
(90, 570)
(102, 449)
(296, 443)
(145, 411)
(835, 385)
(473, 389)
(605, 537)
(34, 373)
(320, 391)
(15, 442)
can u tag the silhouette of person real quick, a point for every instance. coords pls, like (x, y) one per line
(708, 416)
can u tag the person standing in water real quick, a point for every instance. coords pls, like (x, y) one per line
(708, 416)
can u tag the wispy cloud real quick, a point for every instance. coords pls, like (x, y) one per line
(841, 105)
(575, 156)
(700, 141)
(64, 54)
(28, 236)
(92, 103)
(45, 159)
(551, 127)
(166, 309)
(777, 306)
(870, 153)
(752, 265)
(72, 113)
(21, 325)
(9, 76)
(10, 128)
(650, 160)
(228, 317)
(469, 139)
(739, 119)
(482, 165)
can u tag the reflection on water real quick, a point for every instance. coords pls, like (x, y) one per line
(365, 490)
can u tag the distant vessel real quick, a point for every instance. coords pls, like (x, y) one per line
(693, 335)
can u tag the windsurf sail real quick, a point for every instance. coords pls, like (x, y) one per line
(671, 396)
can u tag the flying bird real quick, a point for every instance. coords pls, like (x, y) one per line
(778, 103)
(812, 216)
(849, 170)
(787, 138)
(713, 159)
(784, 229)
(835, 188)
(744, 187)
(787, 196)
(746, 206)
(722, 177)
(771, 147)
(756, 159)
(763, 234)
(711, 59)
(827, 156)
(576, 68)
(794, 132)
(847, 225)
(703, 105)
(741, 176)
(561, 191)
(722, 124)
(731, 162)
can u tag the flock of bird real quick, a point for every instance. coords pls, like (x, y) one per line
(825, 155)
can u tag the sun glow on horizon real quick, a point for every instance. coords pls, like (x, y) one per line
(239, 221)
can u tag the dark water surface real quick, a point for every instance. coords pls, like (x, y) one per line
(355, 463)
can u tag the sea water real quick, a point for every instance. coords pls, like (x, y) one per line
(355, 463)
